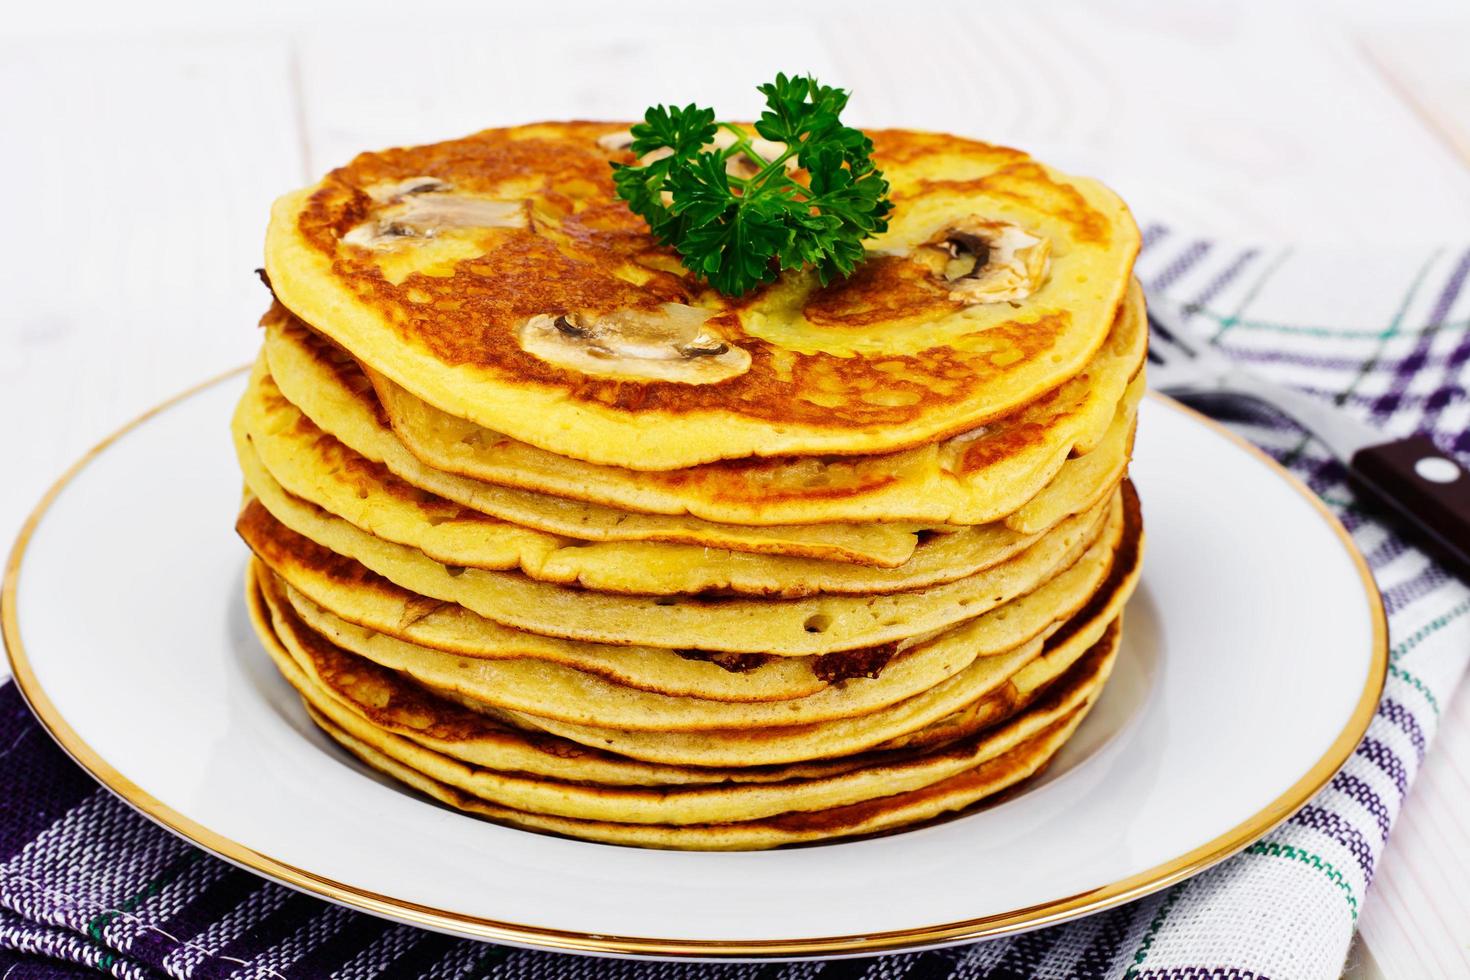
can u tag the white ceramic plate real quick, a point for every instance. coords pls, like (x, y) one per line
(1252, 660)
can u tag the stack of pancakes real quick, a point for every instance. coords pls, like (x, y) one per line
(554, 534)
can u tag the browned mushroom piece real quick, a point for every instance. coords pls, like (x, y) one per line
(983, 260)
(672, 342)
(969, 254)
(394, 189)
(618, 142)
(703, 346)
(569, 326)
(423, 207)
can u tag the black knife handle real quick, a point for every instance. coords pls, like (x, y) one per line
(1428, 490)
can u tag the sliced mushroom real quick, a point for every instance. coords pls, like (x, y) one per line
(423, 207)
(567, 326)
(670, 343)
(392, 190)
(968, 254)
(981, 260)
(619, 142)
(622, 142)
(704, 346)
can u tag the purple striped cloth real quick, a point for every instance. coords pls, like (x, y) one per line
(87, 885)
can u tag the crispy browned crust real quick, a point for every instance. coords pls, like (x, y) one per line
(584, 250)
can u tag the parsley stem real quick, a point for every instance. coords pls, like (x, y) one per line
(742, 144)
(776, 164)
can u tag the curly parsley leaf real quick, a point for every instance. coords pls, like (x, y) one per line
(680, 133)
(737, 232)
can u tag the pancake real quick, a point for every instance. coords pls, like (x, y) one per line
(978, 476)
(861, 778)
(987, 690)
(366, 599)
(783, 627)
(368, 612)
(1055, 657)
(565, 694)
(547, 529)
(387, 700)
(394, 705)
(948, 796)
(486, 234)
(862, 819)
(319, 469)
(327, 386)
(678, 805)
(1087, 478)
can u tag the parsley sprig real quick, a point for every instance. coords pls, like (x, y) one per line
(737, 232)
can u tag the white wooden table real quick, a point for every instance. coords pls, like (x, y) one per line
(142, 144)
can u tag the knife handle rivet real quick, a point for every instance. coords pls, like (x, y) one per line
(1437, 469)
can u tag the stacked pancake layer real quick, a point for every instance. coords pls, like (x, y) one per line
(653, 637)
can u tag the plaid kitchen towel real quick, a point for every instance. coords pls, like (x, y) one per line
(87, 885)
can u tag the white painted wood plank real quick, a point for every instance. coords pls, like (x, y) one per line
(1238, 121)
(138, 178)
(583, 65)
(1426, 66)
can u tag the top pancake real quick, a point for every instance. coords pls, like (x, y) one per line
(442, 267)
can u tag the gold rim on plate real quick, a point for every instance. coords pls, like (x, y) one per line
(1035, 916)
